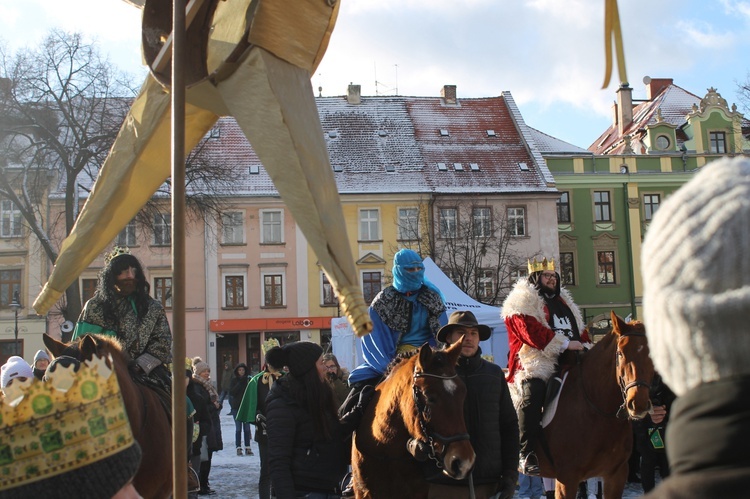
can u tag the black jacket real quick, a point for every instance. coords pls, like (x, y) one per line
(201, 400)
(708, 437)
(237, 388)
(491, 421)
(299, 458)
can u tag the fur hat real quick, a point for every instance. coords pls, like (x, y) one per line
(16, 367)
(463, 318)
(199, 366)
(696, 278)
(301, 356)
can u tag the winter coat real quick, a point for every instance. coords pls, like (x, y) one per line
(201, 400)
(237, 388)
(491, 421)
(708, 437)
(299, 458)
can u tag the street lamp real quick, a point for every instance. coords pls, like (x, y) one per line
(15, 305)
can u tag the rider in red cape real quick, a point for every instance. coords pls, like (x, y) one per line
(543, 322)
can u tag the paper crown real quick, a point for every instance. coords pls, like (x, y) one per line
(269, 344)
(535, 266)
(116, 251)
(73, 420)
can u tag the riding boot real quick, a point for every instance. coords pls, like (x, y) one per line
(353, 398)
(529, 418)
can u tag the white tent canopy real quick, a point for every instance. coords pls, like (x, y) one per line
(346, 345)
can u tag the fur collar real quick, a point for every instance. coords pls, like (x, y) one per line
(525, 300)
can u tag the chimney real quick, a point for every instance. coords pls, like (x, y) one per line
(354, 94)
(654, 86)
(624, 107)
(448, 93)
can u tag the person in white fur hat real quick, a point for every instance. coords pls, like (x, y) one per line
(15, 368)
(543, 323)
(696, 299)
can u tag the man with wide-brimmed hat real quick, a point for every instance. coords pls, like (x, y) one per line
(543, 322)
(490, 417)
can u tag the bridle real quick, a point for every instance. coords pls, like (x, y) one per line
(622, 411)
(424, 415)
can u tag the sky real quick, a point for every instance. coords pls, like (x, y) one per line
(549, 54)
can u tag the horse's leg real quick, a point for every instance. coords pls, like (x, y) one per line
(614, 483)
(566, 490)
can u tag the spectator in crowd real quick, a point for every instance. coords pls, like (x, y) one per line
(41, 361)
(305, 439)
(226, 383)
(696, 298)
(649, 435)
(490, 418)
(530, 487)
(253, 408)
(236, 391)
(335, 377)
(15, 369)
(205, 399)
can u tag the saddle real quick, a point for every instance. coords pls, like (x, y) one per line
(160, 386)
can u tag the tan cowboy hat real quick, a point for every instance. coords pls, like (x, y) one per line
(463, 318)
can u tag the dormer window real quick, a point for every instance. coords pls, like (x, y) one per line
(663, 143)
(444, 132)
(718, 142)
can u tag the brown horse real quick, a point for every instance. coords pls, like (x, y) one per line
(148, 419)
(421, 398)
(590, 435)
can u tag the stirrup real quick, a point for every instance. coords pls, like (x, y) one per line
(529, 464)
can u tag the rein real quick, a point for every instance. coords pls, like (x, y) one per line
(621, 412)
(424, 415)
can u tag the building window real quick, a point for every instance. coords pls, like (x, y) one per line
(718, 142)
(515, 275)
(606, 267)
(88, 288)
(233, 227)
(408, 224)
(273, 290)
(486, 285)
(517, 221)
(11, 219)
(234, 291)
(369, 221)
(650, 205)
(371, 285)
(567, 269)
(663, 142)
(448, 220)
(602, 208)
(162, 229)
(163, 291)
(126, 237)
(328, 297)
(482, 221)
(10, 283)
(563, 208)
(271, 227)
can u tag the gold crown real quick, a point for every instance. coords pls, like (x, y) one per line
(116, 251)
(269, 344)
(535, 266)
(71, 421)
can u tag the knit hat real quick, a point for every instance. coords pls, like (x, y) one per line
(16, 367)
(40, 354)
(696, 278)
(275, 358)
(301, 356)
(67, 437)
(199, 366)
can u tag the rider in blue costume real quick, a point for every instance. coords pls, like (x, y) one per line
(405, 316)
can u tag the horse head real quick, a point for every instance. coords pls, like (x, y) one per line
(439, 409)
(635, 371)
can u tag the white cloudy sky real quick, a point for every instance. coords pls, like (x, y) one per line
(548, 53)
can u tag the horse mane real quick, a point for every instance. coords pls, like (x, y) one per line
(398, 359)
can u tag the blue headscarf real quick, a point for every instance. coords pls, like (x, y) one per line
(403, 280)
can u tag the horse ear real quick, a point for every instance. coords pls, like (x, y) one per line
(88, 347)
(425, 354)
(454, 351)
(617, 324)
(53, 346)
